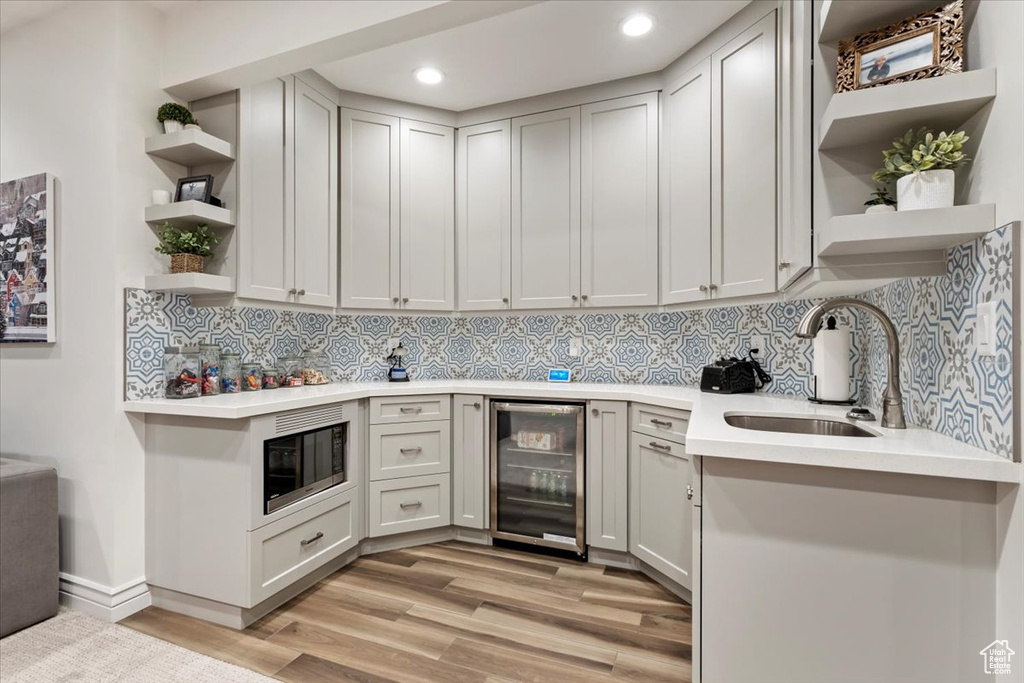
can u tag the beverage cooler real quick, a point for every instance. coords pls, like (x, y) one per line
(537, 494)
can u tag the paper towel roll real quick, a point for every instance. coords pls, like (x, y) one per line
(832, 362)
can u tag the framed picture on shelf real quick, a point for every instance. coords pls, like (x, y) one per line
(198, 188)
(927, 45)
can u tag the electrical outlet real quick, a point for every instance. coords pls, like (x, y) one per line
(985, 329)
(575, 347)
(758, 341)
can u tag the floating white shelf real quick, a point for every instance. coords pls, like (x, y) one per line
(841, 19)
(877, 234)
(826, 282)
(190, 214)
(191, 283)
(880, 114)
(190, 147)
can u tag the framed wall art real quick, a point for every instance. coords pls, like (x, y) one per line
(27, 260)
(927, 45)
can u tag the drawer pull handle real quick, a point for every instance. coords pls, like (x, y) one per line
(413, 410)
(316, 537)
(411, 506)
(689, 492)
(660, 447)
(411, 451)
(660, 423)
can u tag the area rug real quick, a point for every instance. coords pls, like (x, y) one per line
(74, 647)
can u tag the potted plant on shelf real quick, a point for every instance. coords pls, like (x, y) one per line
(174, 116)
(880, 201)
(922, 165)
(187, 248)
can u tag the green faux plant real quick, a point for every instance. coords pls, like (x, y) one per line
(921, 151)
(172, 111)
(880, 196)
(199, 241)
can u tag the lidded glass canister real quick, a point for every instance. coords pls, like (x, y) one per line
(316, 369)
(181, 372)
(252, 377)
(291, 371)
(209, 356)
(230, 373)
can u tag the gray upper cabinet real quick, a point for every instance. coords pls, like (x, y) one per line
(483, 216)
(288, 223)
(619, 202)
(427, 156)
(686, 182)
(546, 210)
(370, 210)
(744, 162)
(316, 197)
(266, 222)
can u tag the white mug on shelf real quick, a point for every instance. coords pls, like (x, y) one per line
(161, 197)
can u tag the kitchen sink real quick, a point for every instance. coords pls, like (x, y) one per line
(796, 425)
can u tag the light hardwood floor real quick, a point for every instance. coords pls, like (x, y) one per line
(454, 613)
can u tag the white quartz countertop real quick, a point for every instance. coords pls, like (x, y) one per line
(909, 451)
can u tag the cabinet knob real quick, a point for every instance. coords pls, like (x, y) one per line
(575, 298)
(301, 292)
(292, 290)
(595, 412)
(476, 405)
(783, 265)
(713, 287)
(703, 288)
(584, 297)
(504, 299)
(689, 492)
(394, 299)
(405, 300)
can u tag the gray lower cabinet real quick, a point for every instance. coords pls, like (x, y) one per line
(660, 514)
(469, 462)
(607, 466)
(409, 504)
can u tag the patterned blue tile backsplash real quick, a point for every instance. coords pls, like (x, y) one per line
(947, 387)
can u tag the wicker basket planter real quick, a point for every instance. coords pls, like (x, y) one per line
(186, 263)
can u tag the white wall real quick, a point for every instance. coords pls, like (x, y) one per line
(78, 94)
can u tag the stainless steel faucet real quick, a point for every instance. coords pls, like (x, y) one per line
(892, 399)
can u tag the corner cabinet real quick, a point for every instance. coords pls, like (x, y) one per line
(288, 216)
(398, 213)
(721, 168)
(483, 216)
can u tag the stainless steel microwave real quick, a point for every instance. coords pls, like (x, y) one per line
(299, 465)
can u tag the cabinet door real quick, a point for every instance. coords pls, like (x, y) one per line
(369, 210)
(483, 167)
(619, 202)
(744, 163)
(607, 472)
(266, 228)
(546, 210)
(316, 198)
(686, 183)
(469, 462)
(428, 216)
(660, 526)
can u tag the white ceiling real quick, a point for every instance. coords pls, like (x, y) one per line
(19, 12)
(543, 48)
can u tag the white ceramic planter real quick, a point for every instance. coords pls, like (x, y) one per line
(172, 126)
(192, 126)
(925, 190)
(879, 208)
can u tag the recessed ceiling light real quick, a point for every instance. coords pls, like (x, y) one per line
(637, 24)
(429, 75)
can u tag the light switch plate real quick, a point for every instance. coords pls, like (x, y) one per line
(575, 347)
(985, 329)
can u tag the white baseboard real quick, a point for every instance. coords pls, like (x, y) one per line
(110, 604)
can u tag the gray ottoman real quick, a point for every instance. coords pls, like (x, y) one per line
(28, 544)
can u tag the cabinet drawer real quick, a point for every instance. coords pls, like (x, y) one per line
(401, 505)
(410, 409)
(664, 423)
(407, 450)
(288, 549)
